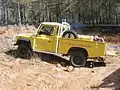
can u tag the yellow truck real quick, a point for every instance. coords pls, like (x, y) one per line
(57, 38)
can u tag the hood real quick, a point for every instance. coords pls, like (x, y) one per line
(25, 35)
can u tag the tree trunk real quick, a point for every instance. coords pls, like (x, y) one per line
(24, 14)
(19, 14)
(3, 12)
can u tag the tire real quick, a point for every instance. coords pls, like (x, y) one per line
(24, 52)
(78, 59)
(70, 34)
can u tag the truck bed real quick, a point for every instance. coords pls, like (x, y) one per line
(94, 49)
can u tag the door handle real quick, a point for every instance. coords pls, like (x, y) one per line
(49, 41)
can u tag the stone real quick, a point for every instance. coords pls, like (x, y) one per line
(69, 69)
(63, 64)
(59, 65)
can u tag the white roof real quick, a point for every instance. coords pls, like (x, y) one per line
(51, 23)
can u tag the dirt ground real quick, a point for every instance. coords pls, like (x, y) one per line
(49, 72)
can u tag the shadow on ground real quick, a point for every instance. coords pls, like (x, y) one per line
(112, 81)
(52, 59)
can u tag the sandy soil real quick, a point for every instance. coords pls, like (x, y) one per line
(49, 72)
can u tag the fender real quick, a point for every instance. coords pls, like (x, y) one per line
(78, 49)
(23, 41)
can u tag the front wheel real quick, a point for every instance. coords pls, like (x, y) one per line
(23, 51)
(78, 59)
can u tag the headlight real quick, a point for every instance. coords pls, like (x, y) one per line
(14, 39)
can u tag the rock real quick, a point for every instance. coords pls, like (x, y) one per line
(63, 64)
(24, 61)
(118, 53)
(18, 60)
(92, 71)
(69, 69)
(44, 62)
(28, 84)
(7, 60)
(94, 87)
(56, 69)
(59, 65)
(111, 53)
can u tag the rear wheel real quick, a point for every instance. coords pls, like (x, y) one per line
(78, 59)
(24, 51)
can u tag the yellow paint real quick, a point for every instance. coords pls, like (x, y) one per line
(48, 43)
(94, 49)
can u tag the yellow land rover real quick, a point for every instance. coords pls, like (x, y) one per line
(57, 38)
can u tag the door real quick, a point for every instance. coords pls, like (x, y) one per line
(45, 38)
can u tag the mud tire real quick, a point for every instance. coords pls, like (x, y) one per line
(78, 59)
(23, 51)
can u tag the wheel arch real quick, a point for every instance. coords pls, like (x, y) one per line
(73, 49)
(24, 41)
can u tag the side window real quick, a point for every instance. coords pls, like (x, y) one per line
(47, 30)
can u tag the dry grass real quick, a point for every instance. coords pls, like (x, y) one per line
(48, 73)
(13, 29)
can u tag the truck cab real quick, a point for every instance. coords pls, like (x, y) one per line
(46, 37)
